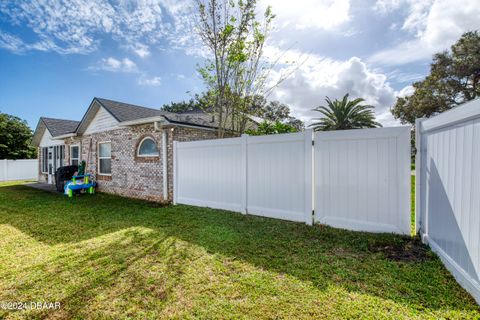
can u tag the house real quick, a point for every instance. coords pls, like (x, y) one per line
(127, 147)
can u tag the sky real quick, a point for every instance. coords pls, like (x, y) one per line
(56, 55)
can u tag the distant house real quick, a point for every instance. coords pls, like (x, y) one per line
(127, 147)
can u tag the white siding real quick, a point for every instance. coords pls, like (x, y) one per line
(102, 121)
(449, 173)
(362, 179)
(48, 141)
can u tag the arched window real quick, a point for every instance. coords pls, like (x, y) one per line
(147, 148)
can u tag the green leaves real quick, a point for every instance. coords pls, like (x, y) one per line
(454, 79)
(234, 70)
(267, 127)
(345, 114)
(15, 138)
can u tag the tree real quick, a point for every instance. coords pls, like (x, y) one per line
(236, 72)
(15, 138)
(181, 107)
(200, 102)
(454, 79)
(267, 127)
(275, 111)
(345, 114)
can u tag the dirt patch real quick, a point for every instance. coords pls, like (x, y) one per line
(408, 250)
(159, 204)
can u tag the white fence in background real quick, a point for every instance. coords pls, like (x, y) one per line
(362, 177)
(24, 169)
(448, 190)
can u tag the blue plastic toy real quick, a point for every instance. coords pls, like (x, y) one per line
(75, 185)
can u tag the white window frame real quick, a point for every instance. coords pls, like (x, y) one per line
(98, 157)
(79, 159)
(147, 155)
(44, 160)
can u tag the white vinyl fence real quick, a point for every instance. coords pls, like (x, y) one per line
(448, 190)
(355, 179)
(24, 169)
(362, 179)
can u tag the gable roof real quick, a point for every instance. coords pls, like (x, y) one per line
(56, 127)
(128, 112)
(123, 113)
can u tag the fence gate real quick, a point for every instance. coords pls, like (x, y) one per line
(362, 179)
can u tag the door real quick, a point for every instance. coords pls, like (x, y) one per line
(50, 165)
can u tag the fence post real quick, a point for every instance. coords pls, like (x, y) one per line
(308, 176)
(419, 223)
(175, 181)
(4, 176)
(244, 173)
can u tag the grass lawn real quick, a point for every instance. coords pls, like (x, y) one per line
(109, 257)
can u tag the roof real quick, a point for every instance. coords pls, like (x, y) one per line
(128, 112)
(123, 112)
(58, 127)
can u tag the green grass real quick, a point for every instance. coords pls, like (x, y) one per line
(109, 257)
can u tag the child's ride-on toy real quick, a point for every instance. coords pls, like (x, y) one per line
(79, 183)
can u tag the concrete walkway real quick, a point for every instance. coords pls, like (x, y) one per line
(43, 186)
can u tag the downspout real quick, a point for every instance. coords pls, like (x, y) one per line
(164, 165)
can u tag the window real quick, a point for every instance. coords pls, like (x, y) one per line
(44, 160)
(147, 148)
(105, 158)
(75, 155)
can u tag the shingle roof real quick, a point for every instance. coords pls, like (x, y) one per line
(58, 127)
(127, 112)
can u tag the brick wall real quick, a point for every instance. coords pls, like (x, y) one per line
(134, 176)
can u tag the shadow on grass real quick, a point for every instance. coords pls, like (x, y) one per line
(321, 256)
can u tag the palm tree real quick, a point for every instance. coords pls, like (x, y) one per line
(344, 114)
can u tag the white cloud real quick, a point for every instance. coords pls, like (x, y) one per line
(302, 14)
(400, 76)
(75, 26)
(140, 50)
(153, 82)
(11, 42)
(116, 65)
(319, 77)
(406, 91)
(434, 24)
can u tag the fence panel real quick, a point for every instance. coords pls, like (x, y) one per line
(362, 179)
(279, 176)
(22, 169)
(448, 189)
(210, 173)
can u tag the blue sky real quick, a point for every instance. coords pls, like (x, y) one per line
(55, 56)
